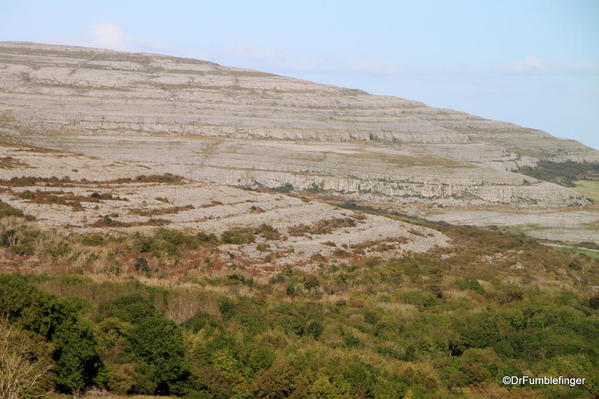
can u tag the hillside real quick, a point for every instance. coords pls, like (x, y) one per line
(271, 128)
(250, 129)
(167, 312)
(173, 227)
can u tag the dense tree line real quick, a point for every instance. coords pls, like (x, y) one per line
(436, 325)
(265, 348)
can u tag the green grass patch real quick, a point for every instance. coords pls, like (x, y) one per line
(590, 189)
(579, 251)
(564, 173)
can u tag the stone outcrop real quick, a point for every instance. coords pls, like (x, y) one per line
(248, 128)
(77, 193)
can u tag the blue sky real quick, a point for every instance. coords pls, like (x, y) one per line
(535, 63)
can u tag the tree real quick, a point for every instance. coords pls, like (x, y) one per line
(324, 388)
(74, 346)
(277, 382)
(25, 364)
(157, 345)
(76, 356)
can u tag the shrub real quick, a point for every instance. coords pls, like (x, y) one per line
(93, 240)
(25, 364)
(170, 241)
(8, 210)
(176, 238)
(109, 221)
(564, 173)
(156, 344)
(315, 329)
(285, 188)
(129, 308)
(290, 290)
(370, 317)
(316, 187)
(423, 299)
(479, 330)
(258, 358)
(227, 308)
(311, 282)
(277, 382)
(238, 236)
(268, 232)
(199, 321)
(262, 247)
(471, 284)
(156, 178)
(75, 349)
(20, 242)
(361, 377)
(141, 265)
(325, 226)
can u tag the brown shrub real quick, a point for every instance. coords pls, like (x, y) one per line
(325, 226)
(161, 211)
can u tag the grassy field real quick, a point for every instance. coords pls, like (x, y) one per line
(589, 189)
(580, 251)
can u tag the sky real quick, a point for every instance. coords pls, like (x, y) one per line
(534, 63)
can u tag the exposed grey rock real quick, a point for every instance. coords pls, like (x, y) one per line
(248, 128)
(131, 204)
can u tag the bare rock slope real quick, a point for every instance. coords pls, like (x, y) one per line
(247, 128)
(80, 194)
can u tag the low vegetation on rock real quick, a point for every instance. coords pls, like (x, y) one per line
(564, 173)
(448, 323)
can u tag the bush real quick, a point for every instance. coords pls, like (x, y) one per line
(75, 348)
(564, 173)
(8, 210)
(141, 265)
(238, 236)
(129, 308)
(268, 232)
(227, 308)
(199, 321)
(422, 299)
(258, 358)
(170, 242)
(316, 187)
(25, 364)
(156, 344)
(76, 355)
(285, 188)
(21, 242)
(277, 382)
(479, 330)
(315, 329)
(471, 284)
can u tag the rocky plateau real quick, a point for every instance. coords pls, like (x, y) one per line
(226, 128)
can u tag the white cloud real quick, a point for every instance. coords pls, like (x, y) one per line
(528, 64)
(108, 35)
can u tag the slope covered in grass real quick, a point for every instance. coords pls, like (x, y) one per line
(449, 323)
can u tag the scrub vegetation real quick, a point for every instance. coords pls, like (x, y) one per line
(564, 173)
(165, 314)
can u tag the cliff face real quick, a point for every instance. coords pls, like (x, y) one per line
(248, 128)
